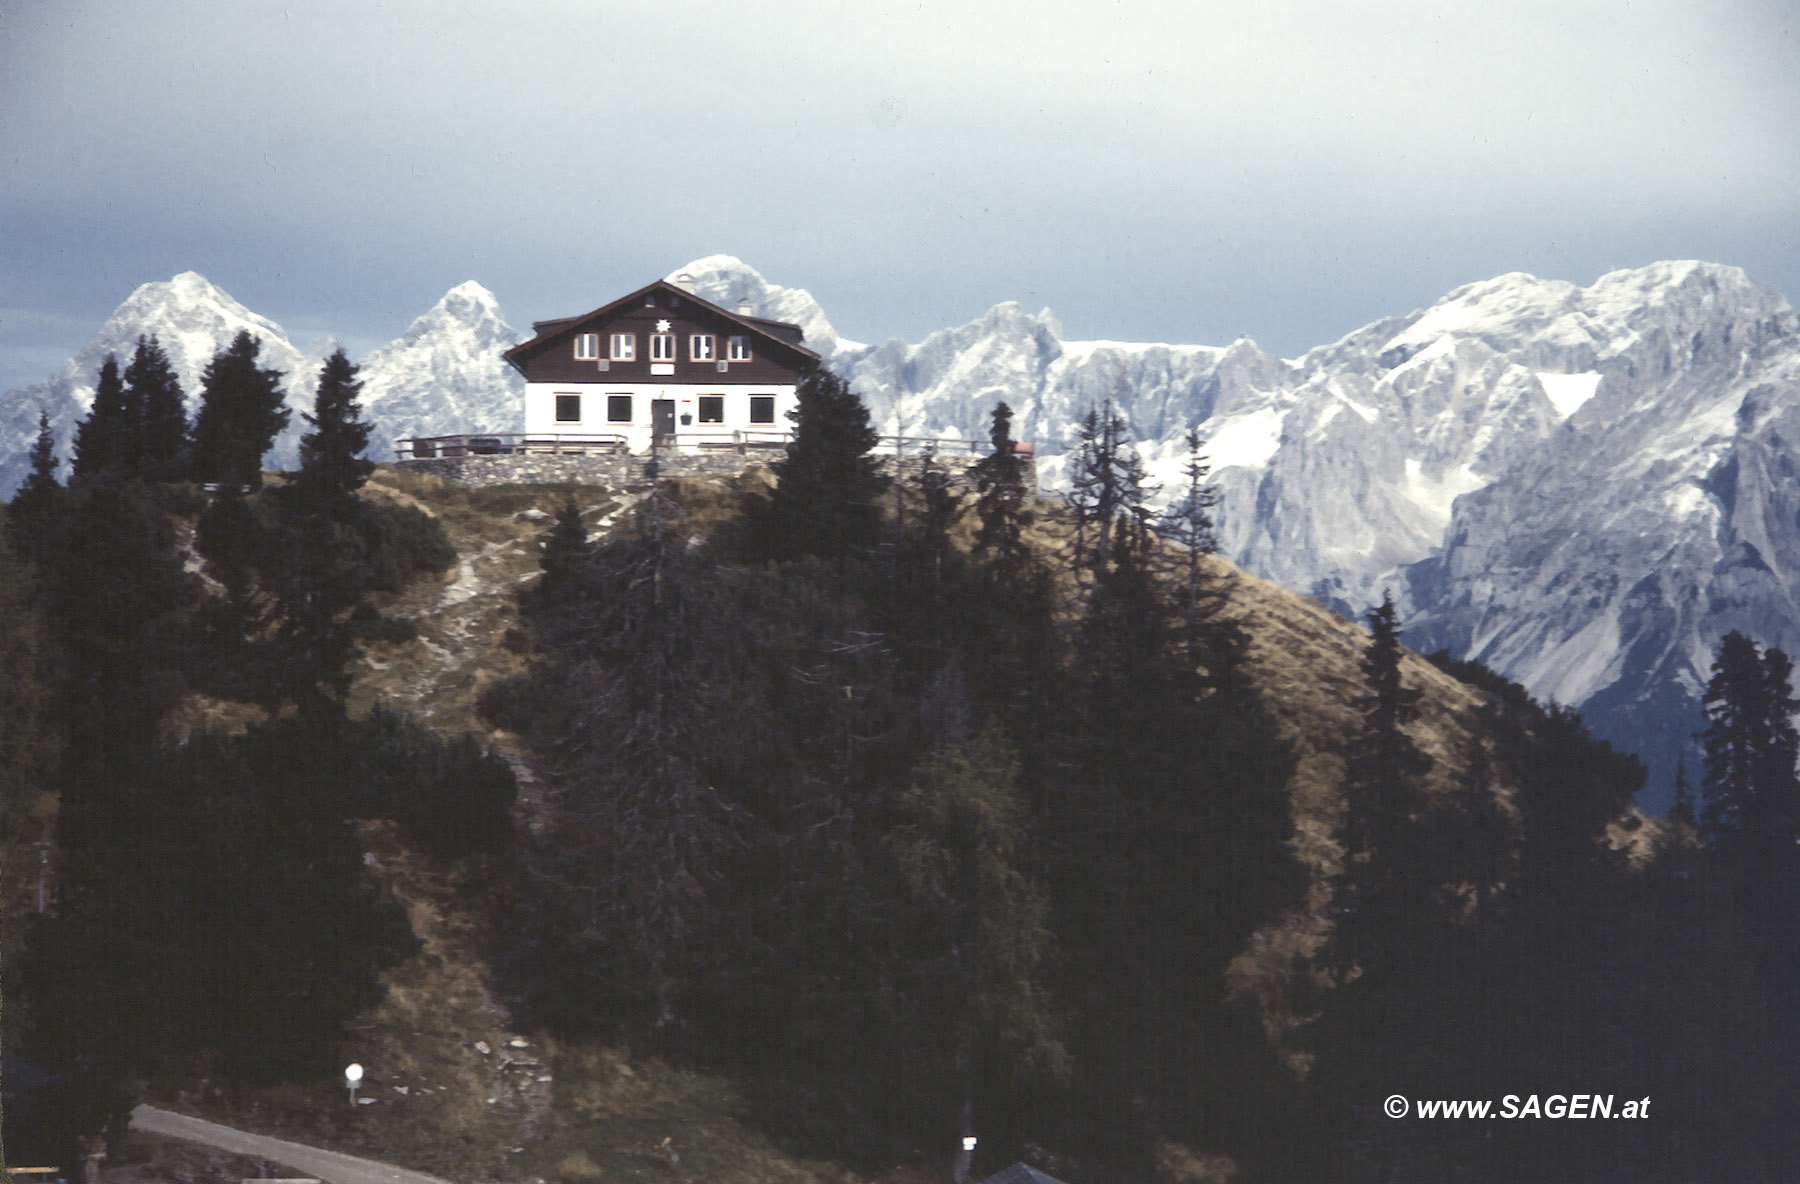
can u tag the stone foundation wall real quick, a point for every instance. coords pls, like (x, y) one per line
(625, 471)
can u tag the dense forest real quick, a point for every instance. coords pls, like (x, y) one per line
(924, 807)
(210, 902)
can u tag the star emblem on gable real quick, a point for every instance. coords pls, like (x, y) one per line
(662, 326)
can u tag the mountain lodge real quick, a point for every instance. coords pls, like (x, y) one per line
(661, 366)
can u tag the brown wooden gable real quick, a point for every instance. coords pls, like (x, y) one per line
(775, 346)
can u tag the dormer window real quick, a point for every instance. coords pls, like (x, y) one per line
(701, 347)
(739, 349)
(587, 347)
(624, 347)
(662, 347)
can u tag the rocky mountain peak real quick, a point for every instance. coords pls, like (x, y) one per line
(729, 282)
(468, 308)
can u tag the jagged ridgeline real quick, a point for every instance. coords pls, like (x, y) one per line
(1579, 486)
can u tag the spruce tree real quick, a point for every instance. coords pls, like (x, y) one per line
(1189, 522)
(241, 413)
(32, 521)
(1751, 816)
(1381, 891)
(332, 464)
(648, 826)
(1681, 803)
(564, 547)
(827, 502)
(1110, 493)
(1751, 813)
(1013, 643)
(927, 593)
(313, 558)
(977, 976)
(105, 439)
(1378, 1015)
(1002, 495)
(117, 609)
(31, 728)
(159, 415)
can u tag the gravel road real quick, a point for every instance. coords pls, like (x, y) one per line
(330, 1166)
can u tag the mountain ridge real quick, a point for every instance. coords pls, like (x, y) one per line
(1582, 486)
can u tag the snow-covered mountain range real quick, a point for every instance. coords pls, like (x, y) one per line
(1584, 487)
(444, 375)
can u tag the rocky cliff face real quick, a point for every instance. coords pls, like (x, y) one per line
(1602, 567)
(1583, 487)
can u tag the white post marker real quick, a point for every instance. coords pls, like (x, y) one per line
(353, 1074)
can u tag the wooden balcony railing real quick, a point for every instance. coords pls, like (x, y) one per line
(538, 443)
(505, 444)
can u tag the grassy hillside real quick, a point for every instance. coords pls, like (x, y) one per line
(453, 1090)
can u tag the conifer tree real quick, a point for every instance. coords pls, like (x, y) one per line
(1002, 495)
(1013, 643)
(117, 600)
(332, 464)
(928, 594)
(31, 729)
(31, 524)
(564, 547)
(1189, 522)
(827, 501)
(241, 413)
(960, 851)
(298, 560)
(649, 828)
(1381, 891)
(940, 509)
(105, 438)
(1681, 804)
(159, 415)
(1110, 494)
(1751, 816)
(1382, 912)
(314, 560)
(1751, 813)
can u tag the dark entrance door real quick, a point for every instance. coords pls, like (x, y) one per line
(662, 422)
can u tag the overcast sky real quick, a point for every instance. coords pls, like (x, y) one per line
(1182, 171)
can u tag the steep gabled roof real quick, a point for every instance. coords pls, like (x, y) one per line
(783, 335)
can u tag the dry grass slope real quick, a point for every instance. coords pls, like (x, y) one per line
(456, 1093)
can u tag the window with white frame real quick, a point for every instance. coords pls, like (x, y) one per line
(618, 409)
(662, 347)
(568, 409)
(712, 408)
(762, 408)
(624, 347)
(701, 347)
(739, 350)
(587, 347)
